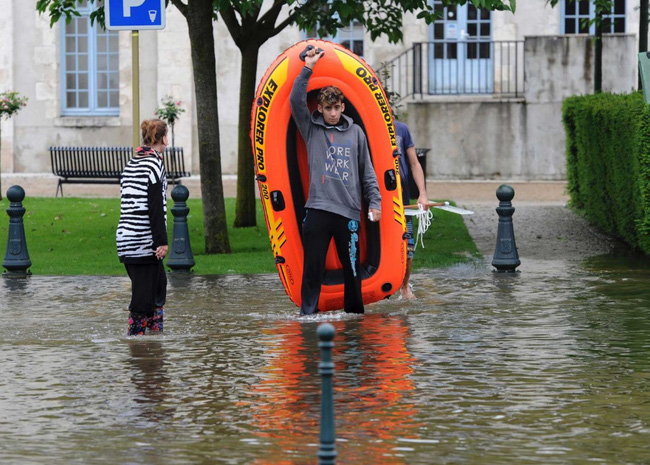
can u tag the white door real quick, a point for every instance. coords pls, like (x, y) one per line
(460, 51)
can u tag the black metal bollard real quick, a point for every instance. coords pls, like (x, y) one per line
(16, 260)
(180, 253)
(506, 258)
(327, 446)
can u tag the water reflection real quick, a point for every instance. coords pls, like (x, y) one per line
(17, 284)
(372, 384)
(550, 365)
(148, 372)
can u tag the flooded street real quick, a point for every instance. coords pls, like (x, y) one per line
(547, 366)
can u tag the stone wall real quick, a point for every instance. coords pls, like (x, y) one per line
(519, 139)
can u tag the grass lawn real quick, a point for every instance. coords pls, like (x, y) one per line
(76, 236)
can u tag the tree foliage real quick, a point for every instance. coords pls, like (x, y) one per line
(379, 17)
(57, 9)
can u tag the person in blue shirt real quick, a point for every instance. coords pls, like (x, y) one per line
(409, 167)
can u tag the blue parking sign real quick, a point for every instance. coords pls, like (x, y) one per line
(134, 14)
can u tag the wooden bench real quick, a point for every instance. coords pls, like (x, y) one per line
(104, 165)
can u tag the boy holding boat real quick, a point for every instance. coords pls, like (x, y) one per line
(340, 172)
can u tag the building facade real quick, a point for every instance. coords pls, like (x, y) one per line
(483, 90)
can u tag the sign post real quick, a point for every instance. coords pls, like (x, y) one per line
(135, 15)
(135, 85)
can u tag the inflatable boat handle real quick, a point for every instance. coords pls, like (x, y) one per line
(308, 48)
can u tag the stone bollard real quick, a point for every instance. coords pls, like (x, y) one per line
(327, 446)
(180, 252)
(505, 257)
(16, 260)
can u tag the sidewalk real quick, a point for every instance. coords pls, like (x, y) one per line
(461, 192)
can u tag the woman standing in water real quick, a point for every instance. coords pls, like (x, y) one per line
(142, 230)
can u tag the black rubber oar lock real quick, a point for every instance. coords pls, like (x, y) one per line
(390, 180)
(277, 201)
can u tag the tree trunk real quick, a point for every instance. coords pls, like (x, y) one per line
(199, 22)
(643, 32)
(598, 51)
(245, 214)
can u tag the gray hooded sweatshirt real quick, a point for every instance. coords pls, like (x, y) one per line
(340, 168)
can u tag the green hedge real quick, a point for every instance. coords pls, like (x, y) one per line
(608, 163)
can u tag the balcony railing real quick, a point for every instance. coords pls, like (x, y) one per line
(456, 68)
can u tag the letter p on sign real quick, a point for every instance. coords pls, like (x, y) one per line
(128, 4)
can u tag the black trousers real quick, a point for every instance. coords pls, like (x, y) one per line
(148, 287)
(318, 229)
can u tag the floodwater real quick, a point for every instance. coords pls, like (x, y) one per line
(547, 366)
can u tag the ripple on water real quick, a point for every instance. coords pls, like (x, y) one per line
(549, 365)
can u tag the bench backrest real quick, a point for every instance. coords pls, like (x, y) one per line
(107, 162)
(175, 163)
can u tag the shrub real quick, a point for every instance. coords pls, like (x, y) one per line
(170, 110)
(608, 163)
(10, 103)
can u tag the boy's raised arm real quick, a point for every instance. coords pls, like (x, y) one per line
(298, 101)
(298, 97)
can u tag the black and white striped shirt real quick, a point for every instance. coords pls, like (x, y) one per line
(143, 211)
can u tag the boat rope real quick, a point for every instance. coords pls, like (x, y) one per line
(424, 221)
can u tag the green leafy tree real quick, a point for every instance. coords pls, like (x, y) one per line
(169, 112)
(10, 104)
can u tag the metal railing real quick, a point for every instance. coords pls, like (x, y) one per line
(456, 68)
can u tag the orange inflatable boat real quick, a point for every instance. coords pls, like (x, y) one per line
(283, 177)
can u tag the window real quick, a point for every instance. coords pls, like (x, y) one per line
(463, 31)
(577, 13)
(445, 31)
(615, 21)
(351, 37)
(479, 29)
(89, 68)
